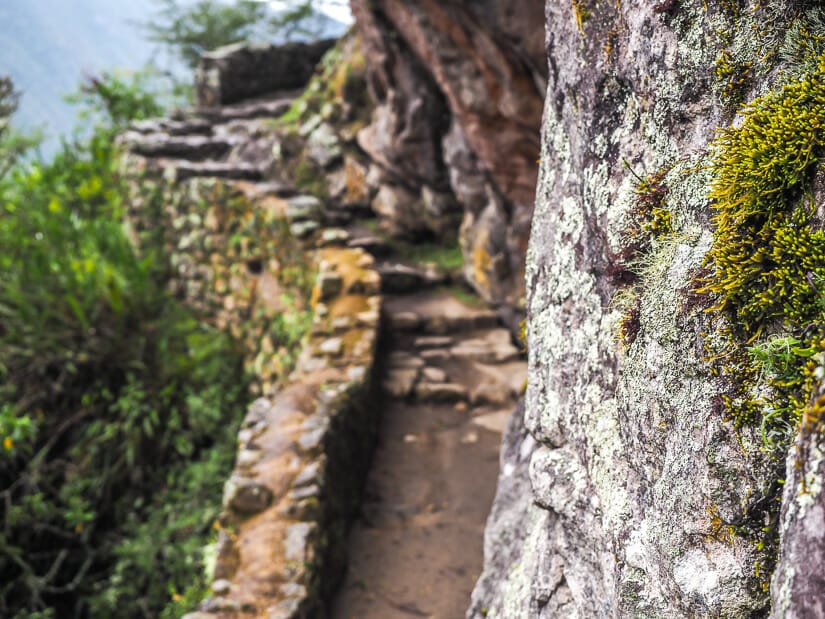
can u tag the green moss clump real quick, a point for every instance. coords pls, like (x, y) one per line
(764, 246)
(733, 77)
(766, 258)
(338, 89)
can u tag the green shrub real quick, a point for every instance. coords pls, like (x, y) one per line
(118, 406)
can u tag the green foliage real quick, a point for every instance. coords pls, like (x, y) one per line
(467, 296)
(112, 100)
(338, 90)
(446, 257)
(13, 144)
(648, 221)
(191, 29)
(118, 407)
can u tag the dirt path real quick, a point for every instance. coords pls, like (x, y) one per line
(452, 381)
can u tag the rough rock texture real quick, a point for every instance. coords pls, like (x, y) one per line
(236, 72)
(458, 89)
(637, 480)
(798, 586)
(505, 535)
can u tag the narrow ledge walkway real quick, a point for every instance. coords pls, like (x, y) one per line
(452, 380)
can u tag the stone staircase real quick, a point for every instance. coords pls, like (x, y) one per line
(234, 142)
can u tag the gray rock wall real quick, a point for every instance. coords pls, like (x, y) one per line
(642, 493)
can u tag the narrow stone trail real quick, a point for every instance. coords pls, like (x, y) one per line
(451, 379)
(451, 382)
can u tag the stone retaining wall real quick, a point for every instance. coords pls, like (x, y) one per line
(303, 456)
(234, 261)
(242, 71)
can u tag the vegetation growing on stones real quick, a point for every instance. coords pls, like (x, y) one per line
(733, 77)
(649, 219)
(581, 13)
(767, 259)
(337, 95)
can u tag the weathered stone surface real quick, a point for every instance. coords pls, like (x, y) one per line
(248, 110)
(227, 557)
(494, 348)
(333, 347)
(403, 359)
(247, 458)
(404, 321)
(489, 393)
(798, 585)
(304, 208)
(221, 586)
(435, 355)
(434, 341)
(400, 210)
(399, 382)
(181, 170)
(297, 540)
(440, 392)
(402, 279)
(243, 71)
(635, 465)
(330, 285)
(434, 375)
(191, 147)
(369, 284)
(334, 237)
(495, 422)
(323, 146)
(373, 244)
(484, 65)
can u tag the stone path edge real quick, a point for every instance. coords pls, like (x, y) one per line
(303, 456)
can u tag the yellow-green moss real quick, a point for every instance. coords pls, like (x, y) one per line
(766, 258)
(732, 77)
(581, 13)
(338, 88)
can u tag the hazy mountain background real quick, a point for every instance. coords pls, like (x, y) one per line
(48, 45)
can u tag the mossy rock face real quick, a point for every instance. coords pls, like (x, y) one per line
(768, 258)
(657, 476)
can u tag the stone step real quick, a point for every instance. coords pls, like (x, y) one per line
(190, 147)
(183, 170)
(403, 279)
(189, 126)
(270, 108)
(266, 189)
